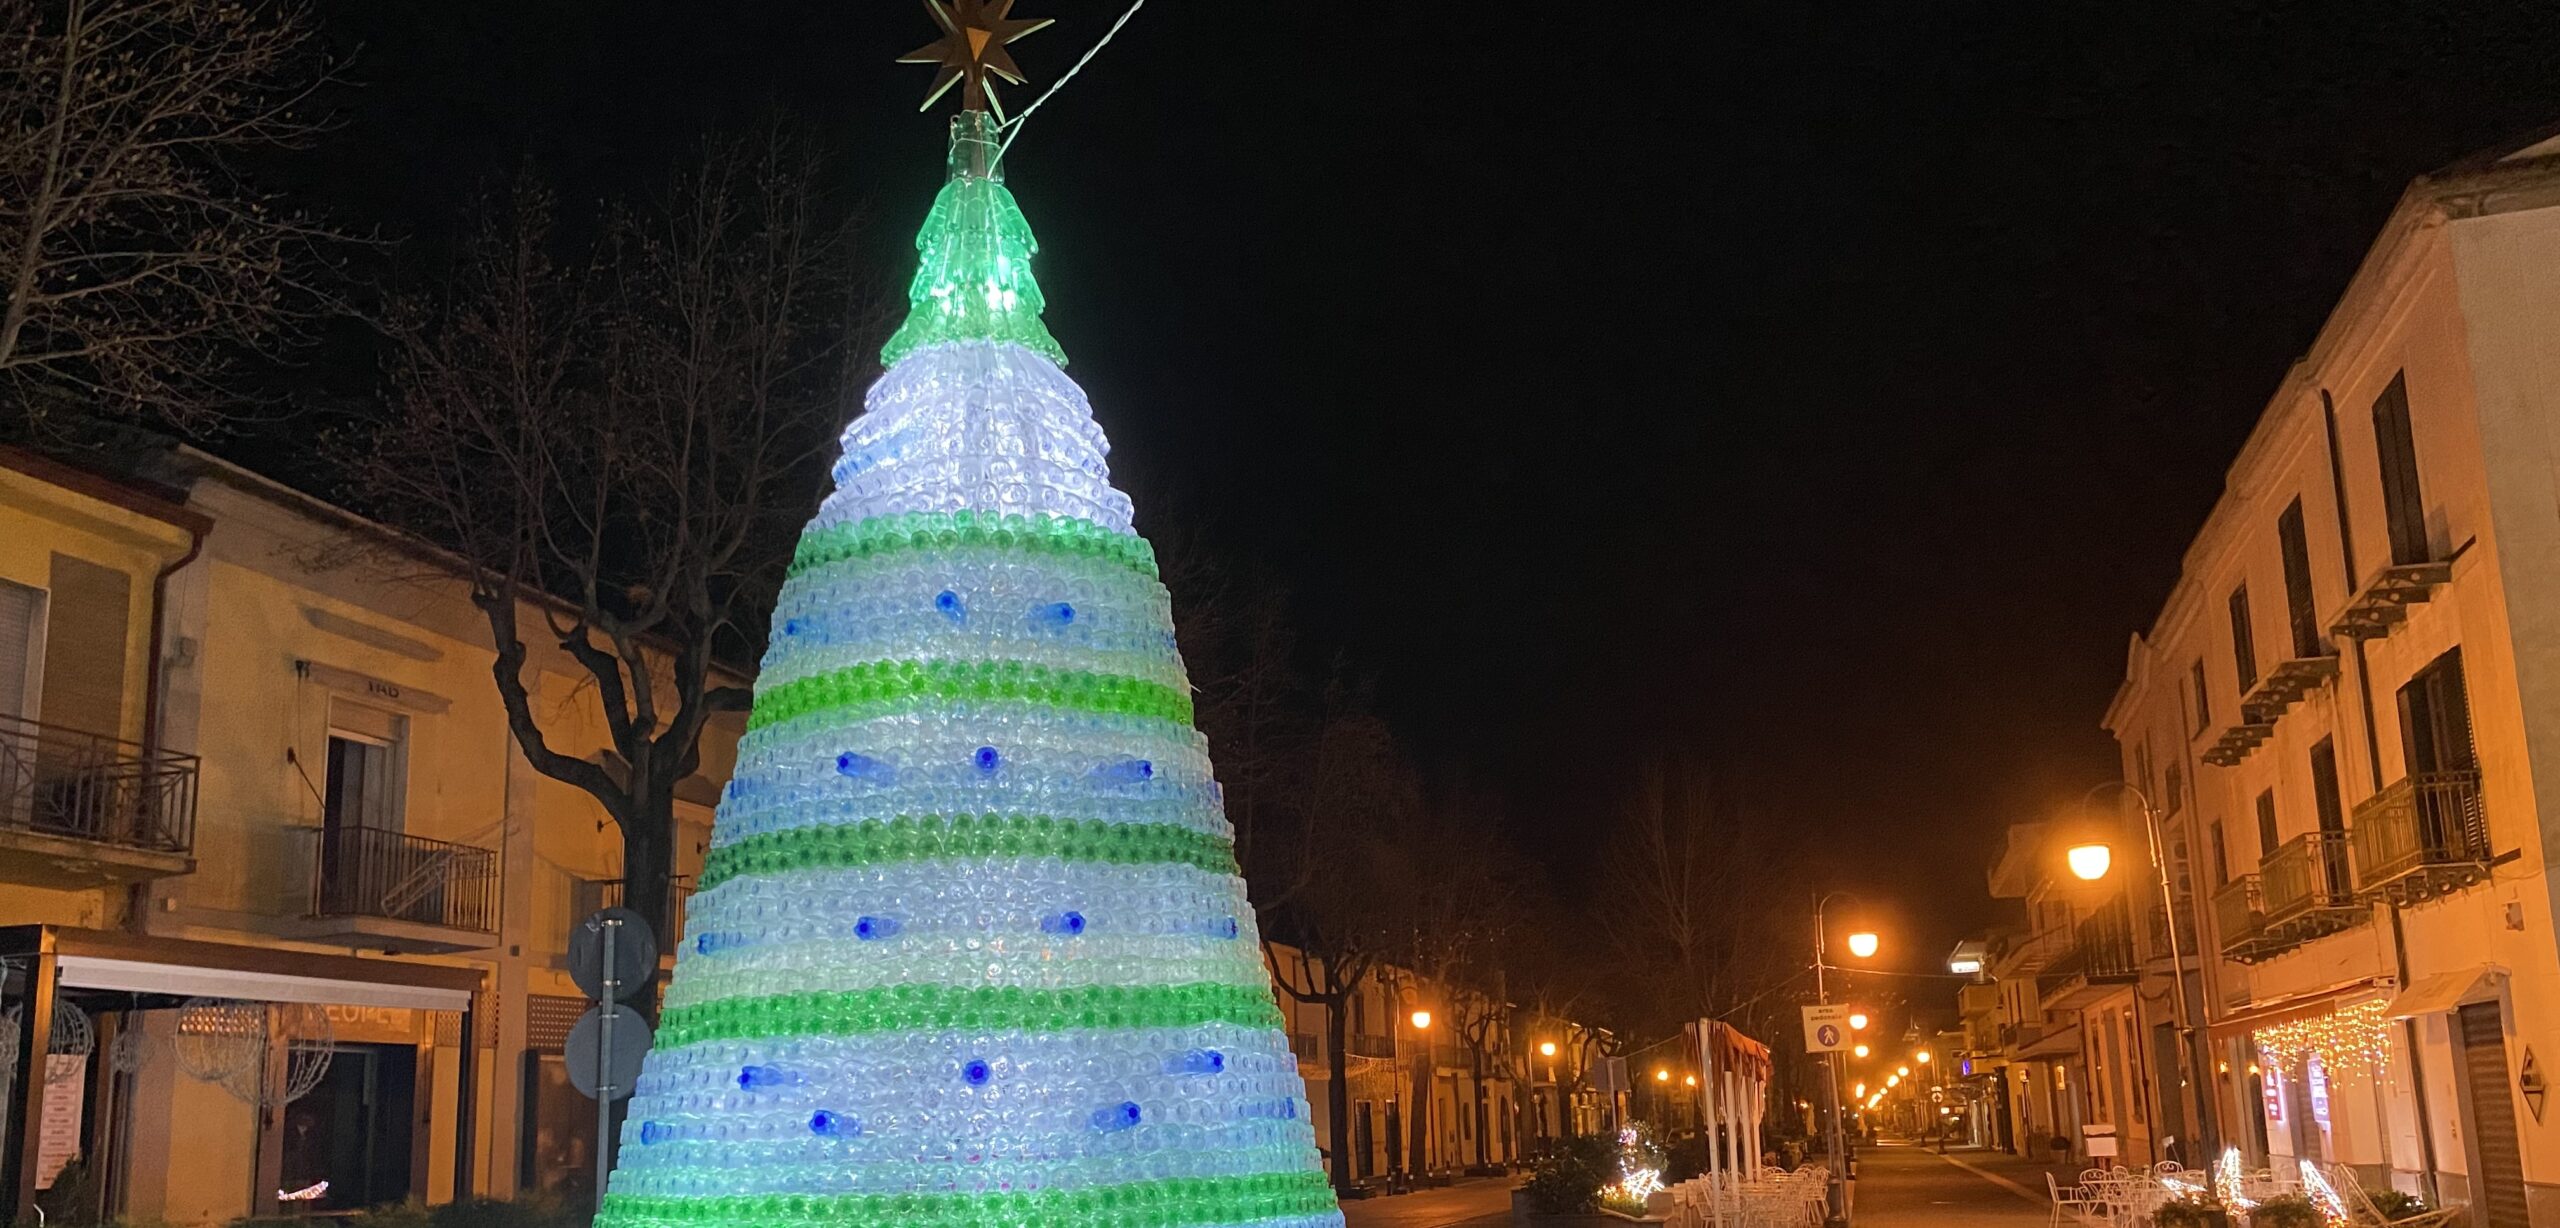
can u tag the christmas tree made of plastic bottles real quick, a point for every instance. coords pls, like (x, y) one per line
(970, 948)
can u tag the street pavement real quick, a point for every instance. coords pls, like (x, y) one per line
(1481, 1202)
(1910, 1186)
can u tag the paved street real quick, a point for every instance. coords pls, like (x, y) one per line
(1480, 1203)
(1912, 1187)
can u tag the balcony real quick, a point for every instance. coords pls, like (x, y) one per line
(586, 895)
(2240, 918)
(1369, 1044)
(2031, 956)
(2236, 742)
(2424, 837)
(84, 810)
(2307, 890)
(2384, 603)
(372, 887)
(2160, 931)
(2282, 688)
(2102, 959)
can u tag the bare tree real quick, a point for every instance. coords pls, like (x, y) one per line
(1697, 906)
(141, 261)
(627, 441)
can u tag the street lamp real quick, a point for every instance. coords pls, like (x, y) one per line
(1861, 1050)
(1857, 1021)
(2091, 862)
(1555, 1099)
(1661, 1076)
(1862, 945)
(1903, 1071)
(1922, 1057)
(1420, 1138)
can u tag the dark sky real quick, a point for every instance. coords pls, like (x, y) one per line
(1827, 389)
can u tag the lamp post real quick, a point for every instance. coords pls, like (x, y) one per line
(1420, 1129)
(2090, 862)
(1547, 1050)
(1863, 945)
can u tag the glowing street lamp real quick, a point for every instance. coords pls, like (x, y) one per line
(1903, 1071)
(1692, 1080)
(1862, 945)
(1857, 1021)
(1546, 1048)
(1922, 1057)
(1861, 1051)
(1661, 1076)
(2090, 862)
(1421, 1020)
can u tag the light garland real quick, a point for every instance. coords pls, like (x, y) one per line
(2351, 1039)
(2227, 1178)
(2333, 1209)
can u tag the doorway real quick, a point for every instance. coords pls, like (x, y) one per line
(2497, 1182)
(353, 1131)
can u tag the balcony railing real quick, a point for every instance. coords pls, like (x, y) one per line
(589, 894)
(2160, 931)
(373, 872)
(2425, 835)
(2102, 946)
(63, 782)
(1308, 1046)
(2240, 917)
(2305, 875)
(1370, 1044)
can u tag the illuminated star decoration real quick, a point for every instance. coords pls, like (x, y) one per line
(974, 34)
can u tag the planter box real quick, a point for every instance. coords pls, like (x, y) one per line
(1525, 1216)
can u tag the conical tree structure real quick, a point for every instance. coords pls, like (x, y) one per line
(970, 948)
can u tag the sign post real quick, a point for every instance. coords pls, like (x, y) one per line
(610, 956)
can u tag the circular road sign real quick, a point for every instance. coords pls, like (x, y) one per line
(635, 953)
(591, 1065)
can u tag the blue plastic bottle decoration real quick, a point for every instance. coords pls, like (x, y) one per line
(975, 1072)
(1054, 614)
(1197, 1062)
(949, 604)
(1069, 923)
(1116, 1118)
(793, 626)
(1227, 928)
(763, 1078)
(652, 1133)
(1125, 772)
(873, 929)
(827, 1124)
(986, 760)
(854, 765)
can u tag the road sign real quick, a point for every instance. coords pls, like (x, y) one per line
(626, 961)
(1826, 1029)
(598, 1056)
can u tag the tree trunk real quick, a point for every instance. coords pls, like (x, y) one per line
(1337, 1093)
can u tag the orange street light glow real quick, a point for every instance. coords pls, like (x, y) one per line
(1546, 1048)
(2089, 862)
(1857, 1021)
(1421, 1020)
(1862, 945)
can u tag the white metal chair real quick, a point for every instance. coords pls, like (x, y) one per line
(2075, 1206)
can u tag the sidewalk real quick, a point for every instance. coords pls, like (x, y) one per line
(1478, 1202)
(1903, 1185)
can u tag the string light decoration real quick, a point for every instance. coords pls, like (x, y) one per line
(2324, 1197)
(2351, 1039)
(970, 948)
(2229, 1175)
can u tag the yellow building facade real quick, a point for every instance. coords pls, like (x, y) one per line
(260, 808)
(2349, 712)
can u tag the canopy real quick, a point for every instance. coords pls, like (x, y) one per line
(2443, 991)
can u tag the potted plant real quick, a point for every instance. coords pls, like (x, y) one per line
(2194, 1211)
(2286, 1211)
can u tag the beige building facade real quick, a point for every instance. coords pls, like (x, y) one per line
(290, 907)
(2348, 714)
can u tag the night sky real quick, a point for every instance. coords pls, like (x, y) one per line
(1827, 390)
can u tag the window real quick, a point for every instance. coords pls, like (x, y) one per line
(2435, 718)
(2300, 615)
(2174, 794)
(2244, 646)
(2142, 770)
(2204, 704)
(2221, 858)
(2266, 823)
(2333, 817)
(21, 655)
(366, 768)
(2396, 449)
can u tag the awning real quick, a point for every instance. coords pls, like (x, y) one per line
(133, 963)
(2052, 1044)
(2288, 1010)
(2442, 991)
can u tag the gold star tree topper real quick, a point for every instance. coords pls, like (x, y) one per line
(974, 34)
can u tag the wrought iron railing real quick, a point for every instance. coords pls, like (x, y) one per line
(1370, 1044)
(1309, 1046)
(2102, 944)
(2424, 819)
(2239, 914)
(64, 782)
(2306, 874)
(2184, 931)
(589, 894)
(374, 872)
